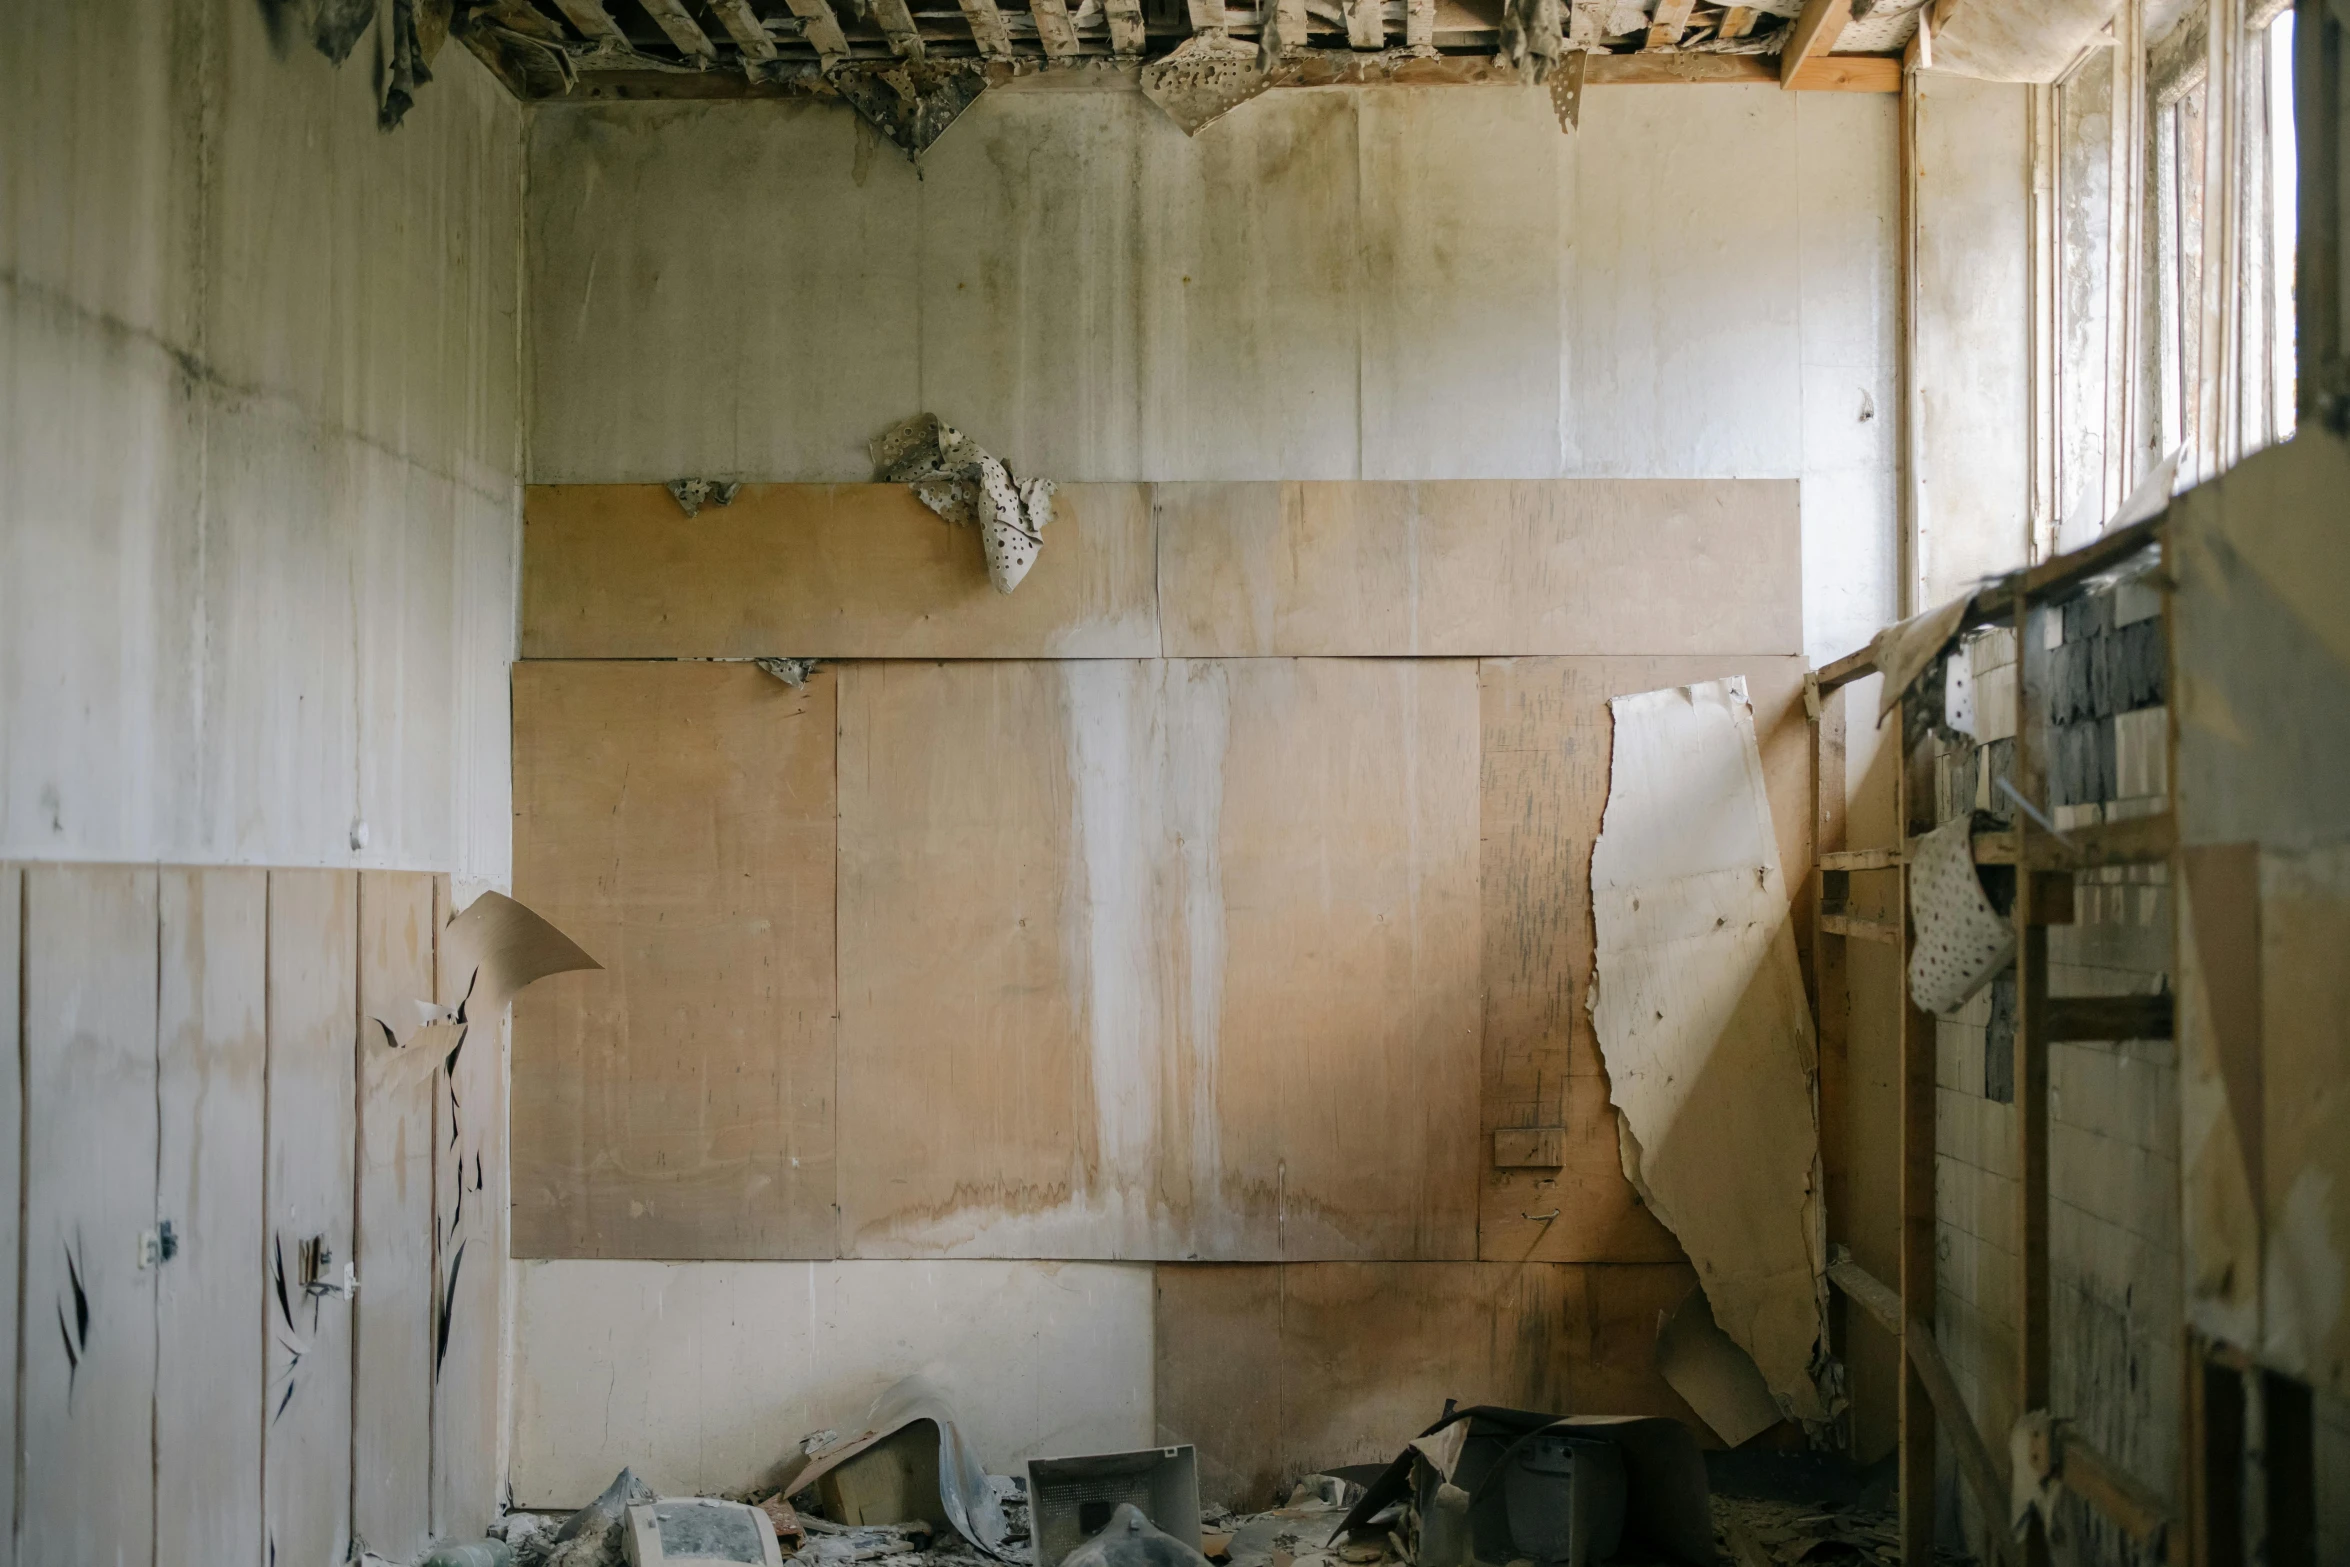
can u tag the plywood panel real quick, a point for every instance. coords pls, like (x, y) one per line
(1145, 959)
(832, 571)
(677, 820)
(88, 1346)
(11, 1176)
(1480, 567)
(469, 1250)
(313, 1014)
(1279, 1370)
(391, 1393)
(1342, 1054)
(1547, 740)
(212, 1054)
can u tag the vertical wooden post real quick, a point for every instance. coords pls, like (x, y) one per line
(1916, 1451)
(1832, 1003)
(2031, 1055)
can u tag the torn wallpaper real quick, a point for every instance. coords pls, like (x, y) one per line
(1703, 1025)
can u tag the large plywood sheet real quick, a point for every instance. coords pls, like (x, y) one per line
(313, 1020)
(677, 821)
(1546, 745)
(391, 1394)
(211, 1057)
(831, 571)
(88, 1347)
(1166, 960)
(1480, 567)
(1280, 1370)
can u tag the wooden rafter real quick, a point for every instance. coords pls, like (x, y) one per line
(1054, 31)
(897, 25)
(822, 30)
(1814, 34)
(1737, 21)
(742, 24)
(1207, 16)
(595, 24)
(1126, 28)
(1669, 22)
(989, 32)
(683, 30)
(1419, 25)
(1365, 27)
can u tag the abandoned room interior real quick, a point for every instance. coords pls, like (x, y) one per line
(1124, 783)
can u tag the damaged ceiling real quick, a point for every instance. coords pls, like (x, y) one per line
(910, 65)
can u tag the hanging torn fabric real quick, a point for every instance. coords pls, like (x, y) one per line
(954, 477)
(1704, 1028)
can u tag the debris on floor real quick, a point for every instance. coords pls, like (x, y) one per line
(696, 1530)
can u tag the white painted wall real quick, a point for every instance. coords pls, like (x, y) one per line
(261, 437)
(704, 1375)
(1394, 283)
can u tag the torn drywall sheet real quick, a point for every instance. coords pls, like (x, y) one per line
(1708, 1369)
(1703, 1025)
(793, 672)
(1209, 75)
(1903, 651)
(1962, 941)
(692, 495)
(952, 475)
(973, 1507)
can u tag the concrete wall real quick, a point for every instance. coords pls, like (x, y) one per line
(1402, 283)
(262, 439)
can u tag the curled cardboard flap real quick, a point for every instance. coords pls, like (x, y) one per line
(1903, 651)
(971, 1504)
(497, 947)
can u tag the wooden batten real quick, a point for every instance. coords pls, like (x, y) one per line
(1054, 31)
(674, 19)
(1816, 29)
(593, 21)
(822, 30)
(1668, 22)
(743, 26)
(989, 32)
(897, 25)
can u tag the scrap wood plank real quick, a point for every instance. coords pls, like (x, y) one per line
(312, 1098)
(212, 1049)
(1545, 745)
(1816, 29)
(1667, 23)
(827, 571)
(391, 1396)
(87, 1405)
(677, 821)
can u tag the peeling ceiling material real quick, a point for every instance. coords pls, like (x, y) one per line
(914, 101)
(2019, 40)
(1206, 77)
(954, 477)
(1703, 1025)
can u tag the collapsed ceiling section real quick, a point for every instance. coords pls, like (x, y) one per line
(910, 65)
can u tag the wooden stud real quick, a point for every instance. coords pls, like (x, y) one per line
(897, 25)
(989, 32)
(2032, 1319)
(744, 27)
(1815, 33)
(675, 20)
(593, 21)
(1915, 1462)
(1054, 31)
(822, 30)
(1832, 994)
(1670, 21)
(1365, 26)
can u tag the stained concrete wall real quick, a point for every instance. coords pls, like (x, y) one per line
(262, 439)
(1400, 283)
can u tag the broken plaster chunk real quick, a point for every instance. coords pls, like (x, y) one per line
(692, 495)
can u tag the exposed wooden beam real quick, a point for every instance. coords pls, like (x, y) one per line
(1669, 22)
(1126, 29)
(897, 25)
(822, 30)
(1860, 927)
(683, 30)
(744, 27)
(595, 24)
(989, 31)
(1815, 33)
(1737, 21)
(2127, 1503)
(1419, 25)
(1861, 860)
(1848, 73)
(1207, 16)
(1054, 30)
(1365, 27)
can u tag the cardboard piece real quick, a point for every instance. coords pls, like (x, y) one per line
(967, 1503)
(1903, 651)
(1706, 1367)
(1704, 1026)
